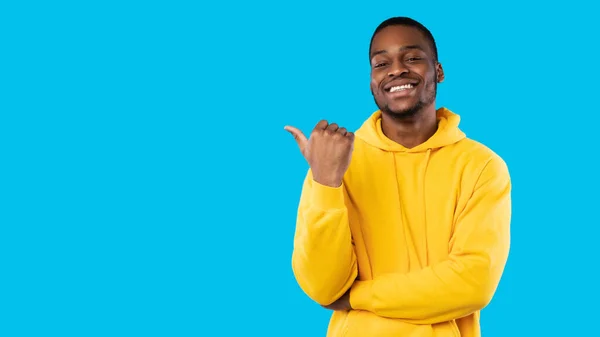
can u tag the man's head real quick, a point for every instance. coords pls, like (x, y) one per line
(404, 67)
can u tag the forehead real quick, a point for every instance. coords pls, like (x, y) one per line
(397, 36)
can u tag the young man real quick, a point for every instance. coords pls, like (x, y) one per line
(403, 226)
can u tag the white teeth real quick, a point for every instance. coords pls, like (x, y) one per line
(401, 87)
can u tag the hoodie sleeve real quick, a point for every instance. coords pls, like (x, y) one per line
(323, 259)
(467, 280)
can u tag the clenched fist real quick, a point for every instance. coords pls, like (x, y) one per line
(328, 151)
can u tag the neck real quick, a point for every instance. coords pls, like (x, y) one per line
(412, 131)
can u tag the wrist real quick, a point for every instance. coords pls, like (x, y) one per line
(328, 181)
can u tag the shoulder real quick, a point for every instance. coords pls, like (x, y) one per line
(483, 160)
(477, 149)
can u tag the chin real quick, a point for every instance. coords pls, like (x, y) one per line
(400, 108)
(401, 111)
(402, 114)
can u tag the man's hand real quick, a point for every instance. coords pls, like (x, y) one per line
(328, 151)
(342, 304)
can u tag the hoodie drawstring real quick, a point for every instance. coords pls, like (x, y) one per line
(400, 206)
(426, 165)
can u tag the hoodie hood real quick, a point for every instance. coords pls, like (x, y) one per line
(447, 133)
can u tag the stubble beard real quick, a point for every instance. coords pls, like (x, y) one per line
(414, 110)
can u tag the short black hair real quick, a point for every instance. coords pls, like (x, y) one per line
(406, 21)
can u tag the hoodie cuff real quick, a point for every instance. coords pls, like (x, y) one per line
(327, 197)
(361, 295)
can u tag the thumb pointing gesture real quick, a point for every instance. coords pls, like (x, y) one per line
(328, 152)
(299, 137)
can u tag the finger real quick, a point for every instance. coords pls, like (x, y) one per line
(298, 136)
(322, 125)
(332, 127)
(342, 131)
(350, 135)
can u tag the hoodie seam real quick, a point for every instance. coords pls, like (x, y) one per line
(484, 166)
(472, 191)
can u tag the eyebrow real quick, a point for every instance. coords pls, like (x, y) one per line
(404, 48)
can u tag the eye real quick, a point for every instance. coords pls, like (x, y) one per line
(414, 59)
(380, 64)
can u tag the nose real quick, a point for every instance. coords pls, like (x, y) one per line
(397, 69)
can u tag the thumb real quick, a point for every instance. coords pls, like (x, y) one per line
(298, 136)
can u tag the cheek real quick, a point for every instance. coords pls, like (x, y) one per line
(430, 74)
(375, 86)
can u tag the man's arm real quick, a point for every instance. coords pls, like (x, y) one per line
(323, 259)
(467, 280)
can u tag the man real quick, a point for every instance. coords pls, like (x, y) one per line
(403, 226)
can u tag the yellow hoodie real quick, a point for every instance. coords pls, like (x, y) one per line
(419, 236)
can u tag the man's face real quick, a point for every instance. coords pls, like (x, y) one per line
(404, 72)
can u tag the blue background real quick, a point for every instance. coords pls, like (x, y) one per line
(149, 189)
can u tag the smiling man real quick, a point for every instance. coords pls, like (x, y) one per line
(403, 227)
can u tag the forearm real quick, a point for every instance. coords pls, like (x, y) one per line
(452, 289)
(323, 259)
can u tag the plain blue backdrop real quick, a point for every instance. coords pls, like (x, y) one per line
(149, 189)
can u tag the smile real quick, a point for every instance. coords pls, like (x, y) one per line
(401, 87)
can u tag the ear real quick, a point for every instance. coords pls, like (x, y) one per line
(440, 72)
